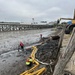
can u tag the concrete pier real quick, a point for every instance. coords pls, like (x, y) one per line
(17, 27)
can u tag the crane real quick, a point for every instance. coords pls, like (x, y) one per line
(69, 28)
(72, 19)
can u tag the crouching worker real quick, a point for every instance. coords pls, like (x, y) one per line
(29, 62)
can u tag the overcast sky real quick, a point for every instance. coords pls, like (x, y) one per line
(25, 10)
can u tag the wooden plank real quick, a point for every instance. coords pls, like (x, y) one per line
(61, 34)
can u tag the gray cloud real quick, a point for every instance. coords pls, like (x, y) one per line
(25, 10)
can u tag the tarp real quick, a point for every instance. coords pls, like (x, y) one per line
(69, 23)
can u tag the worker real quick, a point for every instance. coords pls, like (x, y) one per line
(21, 45)
(28, 63)
(40, 37)
(30, 59)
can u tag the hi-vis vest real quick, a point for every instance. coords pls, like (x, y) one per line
(30, 60)
(27, 63)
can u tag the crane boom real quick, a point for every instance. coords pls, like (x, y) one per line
(72, 19)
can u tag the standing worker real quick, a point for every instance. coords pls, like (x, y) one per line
(21, 45)
(40, 37)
